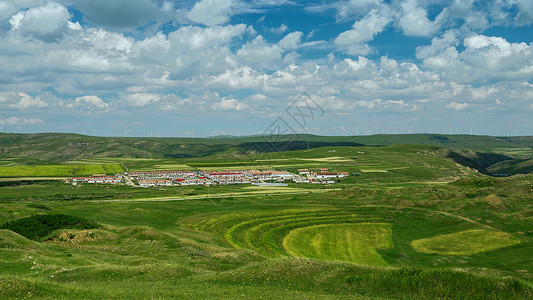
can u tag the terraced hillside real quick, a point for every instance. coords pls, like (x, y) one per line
(366, 236)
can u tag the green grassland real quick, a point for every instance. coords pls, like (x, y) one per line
(417, 223)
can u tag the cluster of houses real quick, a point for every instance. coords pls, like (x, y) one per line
(97, 178)
(167, 178)
(323, 176)
(219, 177)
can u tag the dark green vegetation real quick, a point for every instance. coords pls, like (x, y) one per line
(419, 222)
(38, 227)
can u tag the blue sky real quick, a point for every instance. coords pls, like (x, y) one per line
(171, 68)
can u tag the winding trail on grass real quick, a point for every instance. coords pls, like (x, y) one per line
(436, 211)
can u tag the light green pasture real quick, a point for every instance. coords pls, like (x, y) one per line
(341, 242)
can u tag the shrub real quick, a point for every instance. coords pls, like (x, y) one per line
(37, 227)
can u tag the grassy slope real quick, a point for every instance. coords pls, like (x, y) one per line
(518, 166)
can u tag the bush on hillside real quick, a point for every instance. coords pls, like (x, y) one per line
(37, 227)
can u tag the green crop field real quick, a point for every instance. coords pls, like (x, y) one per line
(465, 242)
(58, 170)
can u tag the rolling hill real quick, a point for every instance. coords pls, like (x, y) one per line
(477, 152)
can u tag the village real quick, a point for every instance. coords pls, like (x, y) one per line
(216, 177)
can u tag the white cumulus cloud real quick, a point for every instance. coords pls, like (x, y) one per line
(291, 41)
(260, 52)
(483, 56)
(353, 41)
(414, 20)
(26, 101)
(47, 22)
(211, 12)
(91, 102)
(229, 104)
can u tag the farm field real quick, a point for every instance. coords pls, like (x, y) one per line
(58, 170)
(412, 224)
